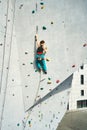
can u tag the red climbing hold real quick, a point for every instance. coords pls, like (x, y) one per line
(73, 66)
(85, 45)
(57, 81)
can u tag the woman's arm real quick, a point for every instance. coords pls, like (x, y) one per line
(37, 41)
(45, 49)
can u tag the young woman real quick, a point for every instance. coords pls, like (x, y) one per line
(41, 50)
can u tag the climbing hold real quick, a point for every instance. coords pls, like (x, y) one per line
(30, 125)
(36, 70)
(8, 20)
(13, 95)
(73, 66)
(28, 75)
(44, 28)
(29, 122)
(84, 45)
(23, 64)
(47, 59)
(38, 115)
(51, 22)
(21, 6)
(26, 53)
(49, 82)
(41, 3)
(31, 62)
(13, 80)
(57, 81)
(26, 86)
(50, 89)
(49, 78)
(41, 88)
(46, 125)
(27, 96)
(1, 44)
(38, 96)
(42, 7)
(33, 11)
(18, 124)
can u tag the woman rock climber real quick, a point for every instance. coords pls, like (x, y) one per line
(41, 50)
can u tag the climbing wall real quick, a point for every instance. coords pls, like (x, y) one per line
(11, 101)
(62, 24)
(63, 29)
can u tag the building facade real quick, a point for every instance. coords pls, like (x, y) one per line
(78, 94)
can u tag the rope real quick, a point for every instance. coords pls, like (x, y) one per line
(8, 66)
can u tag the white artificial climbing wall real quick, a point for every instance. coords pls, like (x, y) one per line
(62, 24)
(65, 39)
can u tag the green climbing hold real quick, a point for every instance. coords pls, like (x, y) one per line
(29, 122)
(44, 28)
(33, 11)
(42, 3)
(18, 124)
(49, 78)
(31, 62)
(36, 70)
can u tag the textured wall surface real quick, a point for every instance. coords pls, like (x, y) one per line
(62, 24)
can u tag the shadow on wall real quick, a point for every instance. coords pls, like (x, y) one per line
(66, 84)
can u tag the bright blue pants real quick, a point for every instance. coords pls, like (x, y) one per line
(41, 64)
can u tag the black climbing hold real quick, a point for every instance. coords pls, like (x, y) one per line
(26, 53)
(13, 94)
(1, 44)
(23, 64)
(21, 6)
(41, 88)
(31, 62)
(51, 22)
(33, 11)
(28, 75)
(27, 96)
(26, 86)
(44, 28)
(8, 20)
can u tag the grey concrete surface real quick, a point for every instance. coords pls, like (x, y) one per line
(74, 121)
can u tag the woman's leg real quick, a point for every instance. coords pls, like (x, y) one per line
(38, 64)
(44, 67)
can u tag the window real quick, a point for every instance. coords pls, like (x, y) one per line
(82, 67)
(81, 103)
(82, 79)
(82, 92)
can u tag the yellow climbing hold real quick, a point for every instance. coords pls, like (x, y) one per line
(42, 7)
(49, 82)
(47, 59)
